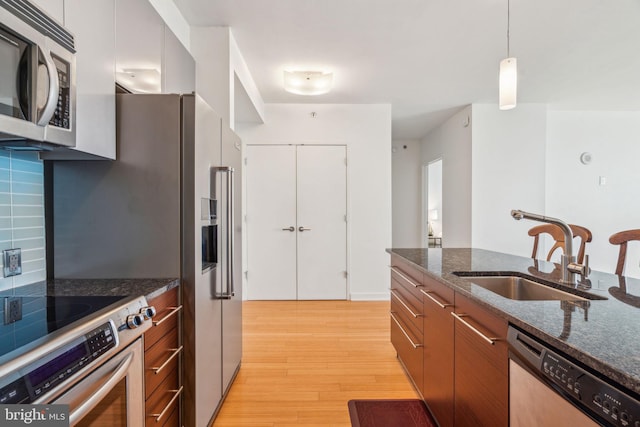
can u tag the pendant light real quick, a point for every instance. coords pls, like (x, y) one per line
(508, 80)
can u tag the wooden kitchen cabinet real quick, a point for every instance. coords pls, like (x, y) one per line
(481, 366)
(407, 319)
(162, 360)
(438, 351)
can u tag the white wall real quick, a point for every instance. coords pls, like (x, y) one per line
(406, 187)
(573, 190)
(219, 66)
(451, 142)
(366, 131)
(508, 154)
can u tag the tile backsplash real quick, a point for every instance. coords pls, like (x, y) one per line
(22, 222)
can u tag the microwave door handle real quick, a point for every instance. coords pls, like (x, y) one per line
(54, 89)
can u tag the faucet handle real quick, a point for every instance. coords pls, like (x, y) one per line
(582, 269)
(587, 270)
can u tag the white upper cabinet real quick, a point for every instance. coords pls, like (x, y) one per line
(53, 8)
(178, 66)
(93, 26)
(149, 57)
(139, 45)
(92, 23)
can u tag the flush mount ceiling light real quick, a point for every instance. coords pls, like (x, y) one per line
(508, 80)
(140, 80)
(307, 82)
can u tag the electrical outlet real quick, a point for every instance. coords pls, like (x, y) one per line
(12, 262)
(12, 309)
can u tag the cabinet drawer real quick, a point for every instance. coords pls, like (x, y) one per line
(409, 350)
(407, 279)
(166, 318)
(163, 402)
(406, 312)
(160, 360)
(440, 293)
(407, 269)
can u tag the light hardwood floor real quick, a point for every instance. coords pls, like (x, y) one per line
(304, 360)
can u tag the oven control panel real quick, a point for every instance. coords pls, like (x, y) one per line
(40, 377)
(611, 404)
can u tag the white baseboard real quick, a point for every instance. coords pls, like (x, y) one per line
(369, 296)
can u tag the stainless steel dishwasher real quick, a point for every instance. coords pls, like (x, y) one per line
(549, 389)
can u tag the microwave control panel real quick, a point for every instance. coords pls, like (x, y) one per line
(62, 116)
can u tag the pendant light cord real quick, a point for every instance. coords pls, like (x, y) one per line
(508, 25)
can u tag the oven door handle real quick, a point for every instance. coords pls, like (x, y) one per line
(86, 406)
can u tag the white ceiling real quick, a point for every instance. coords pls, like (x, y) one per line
(428, 58)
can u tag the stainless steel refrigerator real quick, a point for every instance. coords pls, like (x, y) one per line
(169, 206)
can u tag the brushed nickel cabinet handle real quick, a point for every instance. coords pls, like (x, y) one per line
(175, 351)
(491, 341)
(174, 310)
(415, 285)
(428, 295)
(159, 416)
(301, 229)
(403, 331)
(405, 305)
(292, 229)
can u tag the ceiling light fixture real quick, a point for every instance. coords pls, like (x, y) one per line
(508, 80)
(307, 82)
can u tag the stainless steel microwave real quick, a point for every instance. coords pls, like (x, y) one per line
(37, 79)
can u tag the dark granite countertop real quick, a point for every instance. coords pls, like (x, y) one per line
(601, 333)
(148, 288)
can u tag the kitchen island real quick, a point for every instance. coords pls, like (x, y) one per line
(600, 333)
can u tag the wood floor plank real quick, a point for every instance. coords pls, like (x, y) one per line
(304, 360)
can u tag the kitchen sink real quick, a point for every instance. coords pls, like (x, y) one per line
(521, 289)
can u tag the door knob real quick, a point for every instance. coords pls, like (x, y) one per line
(301, 229)
(292, 229)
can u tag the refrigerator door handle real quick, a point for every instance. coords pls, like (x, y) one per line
(230, 232)
(228, 224)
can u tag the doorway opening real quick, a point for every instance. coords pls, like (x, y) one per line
(432, 212)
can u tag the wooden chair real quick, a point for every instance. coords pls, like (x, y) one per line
(621, 238)
(557, 234)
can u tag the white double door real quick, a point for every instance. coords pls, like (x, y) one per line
(296, 222)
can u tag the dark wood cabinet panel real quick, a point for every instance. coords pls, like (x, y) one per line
(409, 349)
(438, 351)
(162, 350)
(481, 367)
(407, 319)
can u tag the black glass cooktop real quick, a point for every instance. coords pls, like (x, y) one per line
(44, 315)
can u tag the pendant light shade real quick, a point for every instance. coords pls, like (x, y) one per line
(508, 83)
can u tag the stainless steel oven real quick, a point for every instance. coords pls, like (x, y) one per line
(95, 364)
(111, 394)
(37, 78)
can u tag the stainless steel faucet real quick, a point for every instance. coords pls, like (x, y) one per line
(567, 261)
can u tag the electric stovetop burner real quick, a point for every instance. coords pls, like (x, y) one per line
(43, 315)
